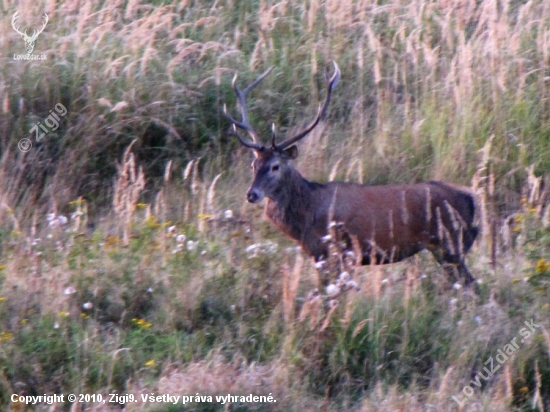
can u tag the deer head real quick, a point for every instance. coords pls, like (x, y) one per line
(271, 165)
(29, 40)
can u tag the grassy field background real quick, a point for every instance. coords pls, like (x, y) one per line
(130, 262)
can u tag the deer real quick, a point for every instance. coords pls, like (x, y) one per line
(389, 222)
(29, 40)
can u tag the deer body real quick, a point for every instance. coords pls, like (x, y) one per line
(390, 222)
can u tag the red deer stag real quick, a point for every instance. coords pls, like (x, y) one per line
(390, 222)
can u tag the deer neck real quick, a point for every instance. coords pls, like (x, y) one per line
(290, 209)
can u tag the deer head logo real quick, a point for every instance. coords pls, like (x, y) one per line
(29, 40)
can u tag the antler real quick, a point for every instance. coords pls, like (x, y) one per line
(244, 124)
(331, 84)
(35, 33)
(14, 22)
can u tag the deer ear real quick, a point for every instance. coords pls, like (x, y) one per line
(291, 152)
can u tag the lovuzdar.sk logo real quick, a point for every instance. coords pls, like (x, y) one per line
(29, 40)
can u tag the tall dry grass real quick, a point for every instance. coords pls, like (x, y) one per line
(438, 89)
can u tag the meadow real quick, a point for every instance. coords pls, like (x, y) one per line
(131, 263)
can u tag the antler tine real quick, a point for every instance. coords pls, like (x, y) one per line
(244, 142)
(37, 32)
(321, 113)
(244, 124)
(14, 22)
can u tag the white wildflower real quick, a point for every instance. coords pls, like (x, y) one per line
(332, 303)
(457, 286)
(171, 229)
(344, 277)
(453, 301)
(191, 245)
(251, 251)
(69, 290)
(251, 248)
(321, 264)
(180, 238)
(267, 248)
(87, 305)
(150, 290)
(62, 219)
(332, 290)
(478, 320)
(228, 214)
(351, 284)
(326, 238)
(270, 247)
(50, 217)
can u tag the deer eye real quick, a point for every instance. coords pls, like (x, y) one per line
(274, 168)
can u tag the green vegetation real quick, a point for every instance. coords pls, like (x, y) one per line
(161, 279)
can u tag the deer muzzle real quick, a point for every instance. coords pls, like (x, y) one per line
(254, 196)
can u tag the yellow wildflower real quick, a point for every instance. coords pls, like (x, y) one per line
(5, 336)
(15, 232)
(150, 363)
(524, 389)
(152, 223)
(204, 216)
(112, 241)
(141, 205)
(542, 266)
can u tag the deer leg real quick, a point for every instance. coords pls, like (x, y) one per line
(453, 265)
